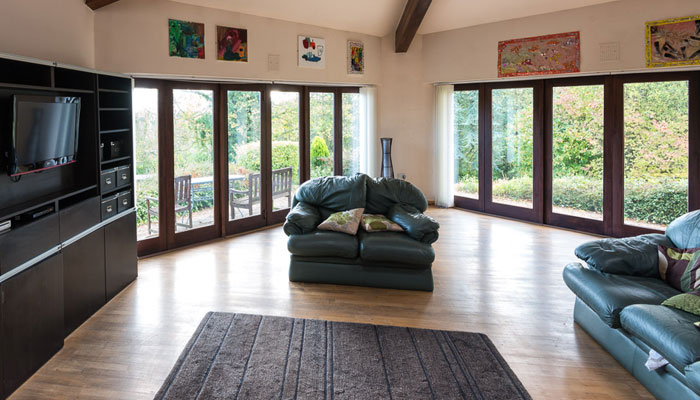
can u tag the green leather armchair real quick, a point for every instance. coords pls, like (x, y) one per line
(400, 260)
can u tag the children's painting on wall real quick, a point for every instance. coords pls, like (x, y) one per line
(540, 55)
(356, 57)
(186, 39)
(312, 52)
(232, 44)
(673, 42)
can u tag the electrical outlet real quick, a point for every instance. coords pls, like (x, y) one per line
(273, 62)
(401, 175)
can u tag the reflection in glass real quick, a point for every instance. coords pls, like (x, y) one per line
(656, 152)
(145, 105)
(466, 119)
(244, 149)
(351, 133)
(577, 151)
(512, 134)
(285, 147)
(321, 131)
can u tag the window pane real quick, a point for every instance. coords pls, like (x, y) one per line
(285, 147)
(321, 128)
(656, 152)
(512, 111)
(244, 151)
(145, 103)
(466, 111)
(193, 136)
(351, 133)
(577, 151)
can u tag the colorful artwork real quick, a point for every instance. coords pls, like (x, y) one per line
(540, 55)
(186, 39)
(673, 42)
(232, 44)
(312, 52)
(356, 57)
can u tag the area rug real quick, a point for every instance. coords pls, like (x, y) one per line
(240, 356)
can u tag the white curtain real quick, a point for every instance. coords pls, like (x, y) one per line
(444, 146)
(369, 153)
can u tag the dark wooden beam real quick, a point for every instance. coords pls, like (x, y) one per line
(95, 4)
(410, 21)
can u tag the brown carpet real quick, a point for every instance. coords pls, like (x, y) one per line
(239, 356)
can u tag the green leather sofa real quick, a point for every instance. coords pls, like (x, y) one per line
(399, 260)
(618, 302)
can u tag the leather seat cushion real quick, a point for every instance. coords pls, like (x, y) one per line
(667, 330)
(394, 248)
(323, 244)
(608, 294)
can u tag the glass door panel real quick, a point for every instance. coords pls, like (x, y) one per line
(244, 151)
(145, 104)
(655, 152)
(321, 121)
(285, 127)
(512, 146)
(466, 146)
(193, 145)
(351, 133)
(577, 151)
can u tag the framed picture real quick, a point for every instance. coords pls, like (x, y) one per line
(673, 42)
(540, 55)
(312, 52)
(356, 57)
(186, 39)
(231, 44)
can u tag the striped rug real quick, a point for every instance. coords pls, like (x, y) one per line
(240, 356)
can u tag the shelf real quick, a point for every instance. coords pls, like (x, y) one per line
(113, 191)
(112, 160)
(114, 109)
(115, 131)
(44, 88)
(10, 212)
(114, 91)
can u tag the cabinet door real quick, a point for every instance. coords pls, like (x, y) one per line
(32, 320)
(120, 254)
(83, 279)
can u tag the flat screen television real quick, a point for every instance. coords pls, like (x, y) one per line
(44, 133)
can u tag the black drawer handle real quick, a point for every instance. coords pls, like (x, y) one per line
(108, 181)
(110, 209)
(125, 202)
(125, 177)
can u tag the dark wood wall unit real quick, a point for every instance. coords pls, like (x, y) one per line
(56, 262)
(120, 239)
(32, 320)
(83, 277)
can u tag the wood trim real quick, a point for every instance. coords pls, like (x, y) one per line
(408, 25)
(97, 4)
(694, 144)
(338, 133)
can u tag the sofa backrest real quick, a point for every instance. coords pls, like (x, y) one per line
(684, 231)
(383, 193)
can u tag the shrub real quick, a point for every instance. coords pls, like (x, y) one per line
(319, 152)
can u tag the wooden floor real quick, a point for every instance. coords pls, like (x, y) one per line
(492, 275)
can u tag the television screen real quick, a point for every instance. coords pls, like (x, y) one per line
(45, 132)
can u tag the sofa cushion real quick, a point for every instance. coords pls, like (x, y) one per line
(323, 244)
(379, 223)
(343, 221)
(608, 294)
(692, 376)
(667, 330)
(684, 231)
(383, 193)
(336, 193)
(395, 248)
(678, 267)
(638, 255)
(688, 302)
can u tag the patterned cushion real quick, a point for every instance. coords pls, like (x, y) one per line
(688, 302)
(343, 221)
(379, 223)
(679, 267)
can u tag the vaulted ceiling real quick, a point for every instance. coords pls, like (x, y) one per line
(381, 17)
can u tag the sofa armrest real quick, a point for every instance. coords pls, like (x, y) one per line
(417, 225)
(692, 375)
(635, 256)
(303, 218)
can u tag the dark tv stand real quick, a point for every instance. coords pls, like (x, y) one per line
(72, 242)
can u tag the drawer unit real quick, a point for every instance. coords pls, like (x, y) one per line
(79, 217)
(108, 180)
(109, 207)
(28, 241)
(124, 201)
(123, 176)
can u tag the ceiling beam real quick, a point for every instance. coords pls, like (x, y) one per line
(410, 21)
(95, 4)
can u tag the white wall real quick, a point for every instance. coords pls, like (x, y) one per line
(53, 30)
(131, 36)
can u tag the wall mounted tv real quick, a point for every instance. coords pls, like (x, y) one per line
(44, 133)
